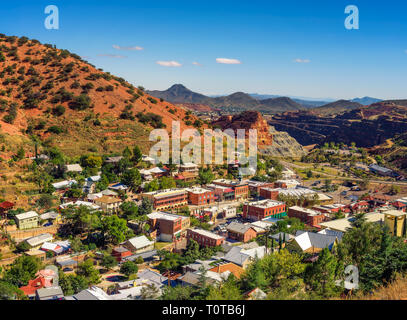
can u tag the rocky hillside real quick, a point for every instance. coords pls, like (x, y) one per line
(367, 126)
(67, 102)
(270, 141)
(337, 107)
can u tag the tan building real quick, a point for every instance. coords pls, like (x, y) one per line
(109, 204)
(396, 221)
(27, 220)
(167, 199)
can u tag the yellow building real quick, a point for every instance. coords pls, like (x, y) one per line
(396, 221)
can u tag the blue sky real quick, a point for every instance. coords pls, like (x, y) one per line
(267, 37)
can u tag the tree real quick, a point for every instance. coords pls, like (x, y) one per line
(9, 291)
(228, 290)
(108, 261)
(132, 179)
(205, 176)
(130, 210)
(128, 268)
(23, 246)
(167, 183)
(91, 161)
(146, 207)
(177, 293)
(115, 228)
(88, 270)
(20, 153)
(320, 276)
(22, 270)
(137, 155)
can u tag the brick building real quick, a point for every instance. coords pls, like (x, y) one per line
(308, 216)
(205, 238)
(241, 232)
(240, 188)
(260, 210)
(169, 226)
(200, 196)
(167, 199)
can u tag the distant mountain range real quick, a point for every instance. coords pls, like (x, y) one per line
(240, 101)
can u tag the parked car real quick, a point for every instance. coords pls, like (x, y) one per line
(67, 270)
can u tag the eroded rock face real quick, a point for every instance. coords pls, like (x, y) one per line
(270, 141)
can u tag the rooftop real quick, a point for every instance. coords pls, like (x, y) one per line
(207, 234)
(26, 215)
(264, 204)
(165, 216)
(310, 212)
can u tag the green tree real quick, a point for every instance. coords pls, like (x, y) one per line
(22, 270)
(321, 275)
(132, 179)
(137, 155)
(115, 229)
(88, 270)
(108, 261)
(128, 268)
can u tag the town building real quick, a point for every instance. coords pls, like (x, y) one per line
(5, 207)
(200, 196)
(241, 232)
(37, 241)
(169, 226)
(204, 238)
(345, 224)
(167, 199)
(109, 204)
(287, 184)
(120, 253)
(222, 193)
(263, 209)
(273, 193)
(187, 172)
(382, 171)
(74, 168)
(27, 220)
(311, 242)
(255, 186)
(396, 222)
(307, 216)
(240, 188)
(139, 244)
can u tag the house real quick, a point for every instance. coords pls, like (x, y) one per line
(243, 257)
(255, 186)
(308, 216)
(139, 244)
(204, 238)
(261, 226)
(169, 226)
(310, 242)
(93, 293)
(380, 170)
(45, 278)
(109, 204)
(118, 187)
(38, 241)
(51, 217)
(147, 256)
(74, 168)
(64, 184)
(146, 158)
(57, 247)
(91, 206)
(241, 232)
(222, 267)
(255, 294)
(192, 279)
(187, 172)
(51, 293)
(228, 212)
(27, 220)
(262, 209)
(5, 206)
(222, 193)
(113, 160)
(120, 253)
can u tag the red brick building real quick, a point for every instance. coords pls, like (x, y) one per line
(307, 216)
(121, 252)
(200, 196)
(260, 210)
(241, 232)
(240, 188)
(167, 199)
(169, 226)
(269, 193)
(205, 238)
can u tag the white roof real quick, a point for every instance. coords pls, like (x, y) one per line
(140, 242)
(64, 184)
(79, 203)
(207, 234)
(40, 239)
(198, 190)
(27, 215)
(344, 224)
(289, 181)
(74, 168)
(265, 203)
(304, 241)
(310, 212)
(164, 216)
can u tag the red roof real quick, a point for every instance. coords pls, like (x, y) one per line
(398, 204)
(179, 177)
(6, 205)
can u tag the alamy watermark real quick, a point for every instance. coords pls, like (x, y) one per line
(51, 22)
(218, 146)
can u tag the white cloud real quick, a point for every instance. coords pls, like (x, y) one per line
(136, 48)
(228, 61)
(196, 63)
(117, 56)
(169, 63)
(302, 61)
